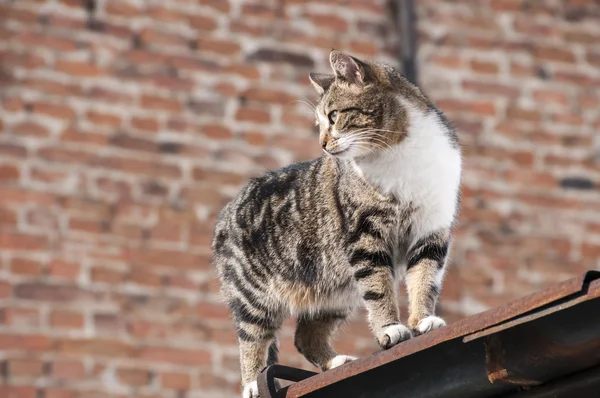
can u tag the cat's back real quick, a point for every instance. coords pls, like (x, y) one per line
(267, 199)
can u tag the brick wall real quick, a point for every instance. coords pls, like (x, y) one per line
(126, 124)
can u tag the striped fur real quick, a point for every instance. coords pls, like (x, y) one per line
(316, 239)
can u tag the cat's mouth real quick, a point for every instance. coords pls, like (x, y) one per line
(337, 153)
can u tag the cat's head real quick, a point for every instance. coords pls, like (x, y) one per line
(360, 112)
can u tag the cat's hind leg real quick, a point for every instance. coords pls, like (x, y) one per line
(313, 338)
(256, 331)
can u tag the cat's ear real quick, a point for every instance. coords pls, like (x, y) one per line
(347, 68)
(321, 81)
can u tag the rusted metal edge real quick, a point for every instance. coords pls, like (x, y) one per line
(544, 345)
(468, 326)
(593, 291)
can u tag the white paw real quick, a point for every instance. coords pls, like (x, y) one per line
(430, 323)
(339, 360)
(250, 390)
(395, 334)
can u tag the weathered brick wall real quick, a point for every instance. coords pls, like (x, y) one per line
(126, 124)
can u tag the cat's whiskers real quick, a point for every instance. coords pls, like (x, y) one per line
(366, 135)
(366, 144)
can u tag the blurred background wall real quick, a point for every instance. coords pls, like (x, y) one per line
(127, 124)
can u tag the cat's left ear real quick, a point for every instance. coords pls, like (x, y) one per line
(347, 67)
(321, 81)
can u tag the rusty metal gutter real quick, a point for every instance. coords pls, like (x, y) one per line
(516, 350)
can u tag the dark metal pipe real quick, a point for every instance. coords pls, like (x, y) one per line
(408, 39)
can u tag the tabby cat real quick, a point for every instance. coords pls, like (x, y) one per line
(315, 239)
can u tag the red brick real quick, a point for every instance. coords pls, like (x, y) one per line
(45, 175)
(96, 347)
(9, 173)
(66, 320)
(175, 381)
(7, 217)
(12, 150)
(53, 87)
(13, 104)
(216, 131)
(18, 392)
(122, 8)
(255, 138)
(246, 71)
(105, 119)
(253, 115)
(218, 176)
(63, 269)
(54, 293)
(166, 232)
(484, 67)
(28, 342)
(590, 251)
(87, 226)
(550, 96)
(492, 89)
(160, 103)
(47, 40)
(144, 167)
(22, 266)
(189, 357)
(453, 62)
(68, 370)
(364, 48)
(109, 323)
(19, 241)
(58, 392)
(154, 38)
(166, 259)
(164, 14)
(531, 115)
(332, 22)
(212, 311)
(219, 5)
(20, 317)
(5, 289)
(146, 124)
(507, 5)
(78, 69)
(23, 367)
(133, 377)
(202, 22)
(223, 47)
(142, 276)
(268, 96)
(544, 53)
(30, 129)
(63, 155)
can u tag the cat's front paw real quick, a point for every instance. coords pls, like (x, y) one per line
(339, 360)
(250, 390)
(429, 323)
(393, 335)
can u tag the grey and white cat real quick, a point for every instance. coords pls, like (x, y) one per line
(316, 239)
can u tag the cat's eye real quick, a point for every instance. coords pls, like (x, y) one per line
(332, 117)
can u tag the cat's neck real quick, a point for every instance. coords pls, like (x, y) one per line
(427, 154)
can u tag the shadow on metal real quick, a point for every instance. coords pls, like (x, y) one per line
(520, 349)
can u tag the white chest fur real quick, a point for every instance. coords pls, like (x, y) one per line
(423, 170)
